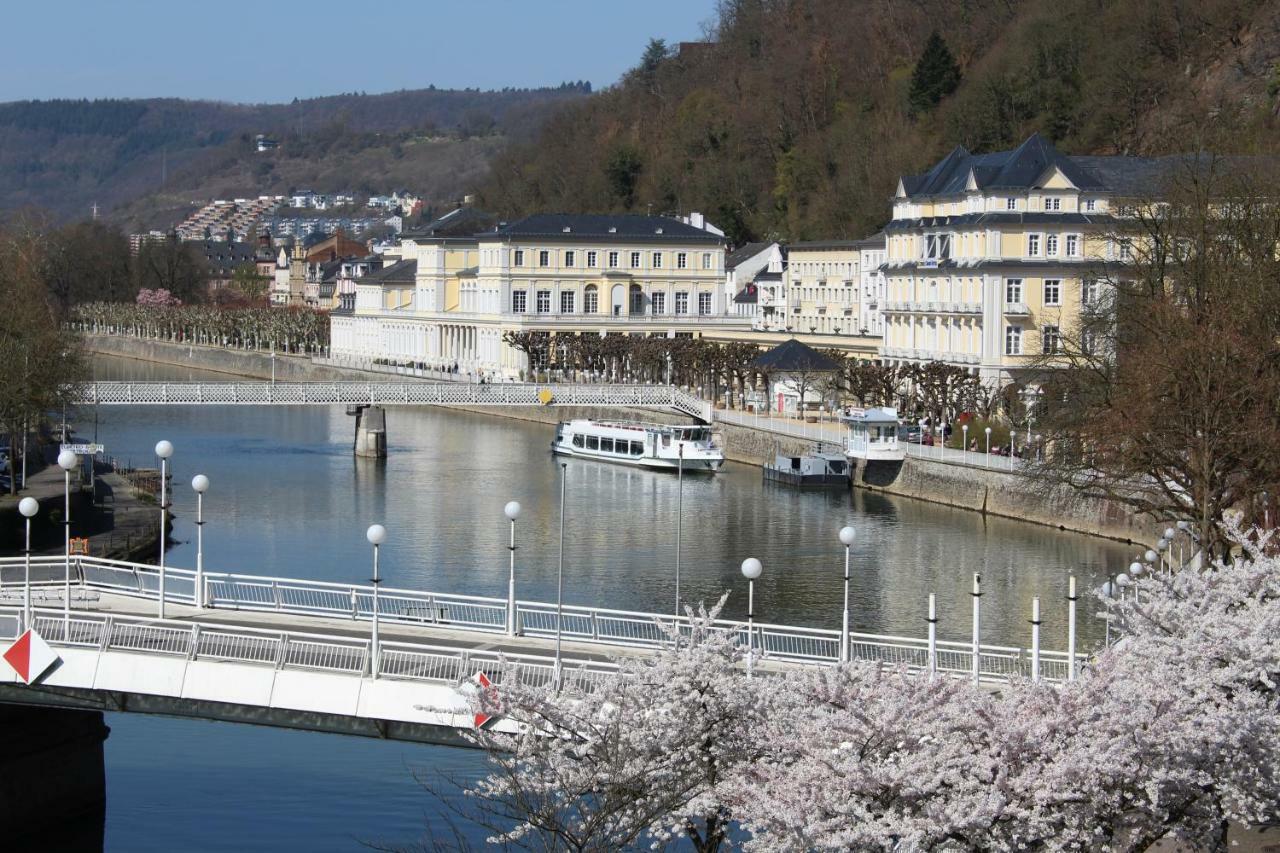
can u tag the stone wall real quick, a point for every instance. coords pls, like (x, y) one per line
(986, 491)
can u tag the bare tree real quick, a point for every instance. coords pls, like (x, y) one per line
(1166, 397)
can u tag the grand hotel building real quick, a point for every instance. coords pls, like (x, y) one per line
(449, 294)
(991, 258)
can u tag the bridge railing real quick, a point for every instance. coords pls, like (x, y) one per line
(226, 591)
(393, 393)
(293, 650)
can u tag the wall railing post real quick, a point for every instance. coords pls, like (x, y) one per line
(977, 626)
(932, 664)
(1035, 639)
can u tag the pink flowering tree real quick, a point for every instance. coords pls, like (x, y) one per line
(1172, 733)
(636, 758)
(158, 298)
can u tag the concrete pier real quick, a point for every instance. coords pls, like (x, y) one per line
(53, 790)
(371, 432)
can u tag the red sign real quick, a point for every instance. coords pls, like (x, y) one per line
(30, 656)
(487, 686)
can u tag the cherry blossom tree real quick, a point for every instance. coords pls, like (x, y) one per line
(634, 758)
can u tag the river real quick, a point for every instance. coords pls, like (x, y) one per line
(288, 498)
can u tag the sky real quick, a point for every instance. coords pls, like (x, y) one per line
(270, 51)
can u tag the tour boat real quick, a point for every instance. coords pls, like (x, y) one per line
(640, 444)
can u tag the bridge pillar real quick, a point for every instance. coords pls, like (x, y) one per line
(53, 789)
(371, 432)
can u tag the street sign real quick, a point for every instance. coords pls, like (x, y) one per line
(82, 448)
(30, 656)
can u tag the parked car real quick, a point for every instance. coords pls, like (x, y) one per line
(907, 432)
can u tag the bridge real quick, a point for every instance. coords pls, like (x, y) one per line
(393, 394)
(301, 654)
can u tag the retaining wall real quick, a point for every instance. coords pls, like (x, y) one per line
(986, 491)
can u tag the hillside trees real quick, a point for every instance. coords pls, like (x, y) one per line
(935, 76)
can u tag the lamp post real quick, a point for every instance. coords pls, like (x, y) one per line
(1037, 447)
(847, 535)
(564, 479)
(942, 445)
(200, 483)
(164, 450)
(977, 626)
(28, 507)
(1071, 629)
(512, 512)
(1108, 594)
(1161, 547)
(376, 534)
(67, 461)
(751, 569)
(1136, 569)
(988, 432)
(964, 442)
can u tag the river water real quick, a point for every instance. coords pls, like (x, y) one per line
(288, 499)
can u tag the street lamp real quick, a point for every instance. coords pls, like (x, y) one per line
(512, 512)
(376, 534)
(847, 535)
(164, 450)
(67, 461)
(200, 483)
(751, 569)
(1161, 547)
(988, 432)
(964, 441)
(28, 507)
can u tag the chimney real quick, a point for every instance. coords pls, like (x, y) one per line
(696, 220)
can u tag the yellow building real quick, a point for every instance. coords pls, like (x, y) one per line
(553, 273)
(990, 257)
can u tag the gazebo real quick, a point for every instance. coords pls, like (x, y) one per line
(798, 376)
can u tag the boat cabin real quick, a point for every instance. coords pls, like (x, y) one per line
(873, 434)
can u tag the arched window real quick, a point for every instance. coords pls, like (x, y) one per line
(591, 300)
(637, 299)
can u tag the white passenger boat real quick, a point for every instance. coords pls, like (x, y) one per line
(640, 444)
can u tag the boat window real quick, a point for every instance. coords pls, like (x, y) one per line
(606, 445)
(593, 443)
(637, 448)
(577, 441)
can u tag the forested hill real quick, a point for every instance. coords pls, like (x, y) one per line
(797, 118)
(67, 155)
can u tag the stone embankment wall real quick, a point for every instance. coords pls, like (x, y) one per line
(986, 491)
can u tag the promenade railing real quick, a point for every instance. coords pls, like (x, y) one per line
(488, 616)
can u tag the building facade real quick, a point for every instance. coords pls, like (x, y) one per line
(555, 274)
(990, 258)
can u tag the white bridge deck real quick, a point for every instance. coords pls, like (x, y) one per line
(286, 651)
(391, 394)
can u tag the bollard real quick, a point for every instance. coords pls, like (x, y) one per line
(977, 624)
(1035, 639)
(1071, 629)
(933, 638)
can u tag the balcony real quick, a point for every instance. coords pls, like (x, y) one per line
(1016, 309)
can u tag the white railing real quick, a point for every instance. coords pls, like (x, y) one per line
(392, 393)
(293, 650)
(970, 458)
(488, 616)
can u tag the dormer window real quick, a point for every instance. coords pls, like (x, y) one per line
(1053, 203)
(613, 229)
(1011, 204)
(566, 230)
(937, 247)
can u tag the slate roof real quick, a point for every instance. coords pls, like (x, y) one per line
(794, 357)
(223, 257)
(459, 222)
(1019, 168)
(743, 253)
(606, 227)
(401, 272)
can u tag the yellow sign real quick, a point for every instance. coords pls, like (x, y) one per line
(79, 545)
(545, 396)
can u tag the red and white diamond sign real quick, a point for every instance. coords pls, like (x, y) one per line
(492, 692)
(30, 656)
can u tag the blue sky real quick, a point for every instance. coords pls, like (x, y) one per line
(268, 51)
